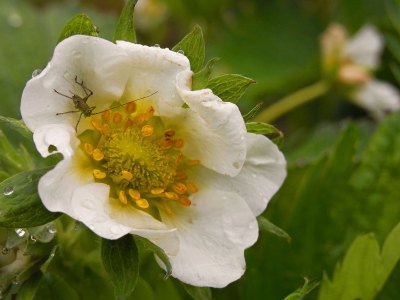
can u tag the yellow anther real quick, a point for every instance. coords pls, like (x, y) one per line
(122, 197)
(117, 117)
(97, 124)
(180, 174)
(166, 143)
(179, 159)
(128, 123)
(134, 194)
(171, 195)
(97, 154)
(147, 130)
(149, 113)
(127, 175)
(180, 188)
(192, 162)
(106, 115)
(192, 186)
(88, 148)
(130, 107)
(179, 144)
(169, 133)
(168, 209)
(157, 191)
(184, 201)
(139, 119)
(142, 203)
(99, 174)
(106, 130)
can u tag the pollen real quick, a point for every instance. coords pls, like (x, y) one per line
(180, 174)
(97, 155)
(166, 143)
(180, 188)
(139, 119)
(130, 107)
(128, 123)
(149, 113)
(117, 118)
(127, 175)
(184, 201)
(134, 194)
(157, 191)
(122, 197)
(192, 186)
(98, 174)
(179, 144)
(171, 195)
(106, 115)
(142, 203)
(106, 130)
(97, 124)
(169, 133)
(179, 159)
(88, 148)
(147, 130)
(193, 163)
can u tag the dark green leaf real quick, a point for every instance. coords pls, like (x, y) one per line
(80, 24)
(9, 156)
(193, 47)
(126, 29)
(393, 11)
(121, 261)
(303, 291)
(20, 204)
(247, 117)
(53, 286)
(27, 272)
(200, 79)
(29, 287)
(229, 87)
(157, 251)
(267, 226)
(17, 125)
(15, 237)
(198, 293)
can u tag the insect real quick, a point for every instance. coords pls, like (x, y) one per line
(83, 107)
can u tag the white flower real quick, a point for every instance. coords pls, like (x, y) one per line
(353, 60)
(177, 167)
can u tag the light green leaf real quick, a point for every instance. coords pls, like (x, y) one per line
(364, 270)
(200, 79)
(44, 233)
(303, 291)
(193, 47)
(46, 264)
(267, 226)
(29, 287)
(20, 204)
(229, 87)
(17, 125)
(9, 156)
(126, 29)
(266, 129)
(247, 117)
(80, 24)
(198, 293)
(121, 261)
(14, 239)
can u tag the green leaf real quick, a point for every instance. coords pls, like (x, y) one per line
(121, 261)
(267, 226)
(29, 287)
(364, 270)
(157, 251)
(200, 79)
(247, 117)
(17, 125)
(20, 204)
(14, 239)
(193, 47)
(304, 290)
(80, 24)
(44, 233)
(393, 12)
(198, 293)
(229, 87)
(9, 156)
(53, 286)
(126, 29)
(266, 129)
(46, 264)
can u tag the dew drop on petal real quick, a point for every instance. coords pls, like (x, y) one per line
(100, 219)
(36, 73)
(265, 200)
(92, 227)
(20, 232)
(8, 190)
(254, 175)
(236, 165)
(252, 225)
(115, 229)
(89, 204)
(224, 197)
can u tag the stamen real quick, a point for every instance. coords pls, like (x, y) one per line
(157, 191)
(139, 119)
(171, 195)
(180, 174)
(88, 148)
(192, 162)
(130, 107)
(128, 123)
(180, 188)
(149, 113)
(99, 174)
(147, 130)
(122, 197)
(127, 175)
(184, 201)
(142, 203)
(117, 118)
(192, 186)
(168, 209)
(106, 130)
(106, 115)
(179, 144)
(97, 154)
(97, 124)
(169, 133)
(179, 159)
(134, 194)
(166, 143)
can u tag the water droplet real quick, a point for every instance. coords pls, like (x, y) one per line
(252, 225)
(89, 204)
(100, 219)
(5, 251)
(115, 229)
(15, 280)
(32, 239)
(254, 175)
(181, 52)
(265, 200)
(36, 73)
(8, 190)
(76, 54)
(20, 232)
(224, 197)
(51, 228)
(242, 138)
(236, 165)
(157, 45)
(92, 227)
(14, 20)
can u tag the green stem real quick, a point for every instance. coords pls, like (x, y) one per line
(292, 101)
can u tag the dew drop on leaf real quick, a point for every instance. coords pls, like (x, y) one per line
(36, 73)
(5, 251)
(32, 239)
(20, 232)
(157, 45)
(8, 190)
(181, 52)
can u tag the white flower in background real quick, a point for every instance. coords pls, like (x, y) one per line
(352, 62)
(191, 180)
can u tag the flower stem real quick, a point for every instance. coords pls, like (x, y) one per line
(292, 101)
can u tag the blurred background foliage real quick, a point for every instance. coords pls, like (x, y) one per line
(343, 170)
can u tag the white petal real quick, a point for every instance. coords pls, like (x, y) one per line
(154, 70)
(103, 66)
(260, 178)
(379, 98)
(213, 233)
(366, 46)
(213, 130)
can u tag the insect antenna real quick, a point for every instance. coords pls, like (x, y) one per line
(125, 103)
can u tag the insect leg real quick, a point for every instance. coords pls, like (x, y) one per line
(68, 112)
(77, 123)
(63, 94)
(85, 89)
